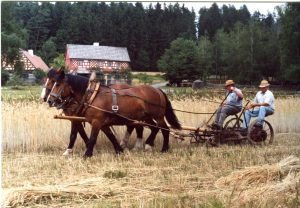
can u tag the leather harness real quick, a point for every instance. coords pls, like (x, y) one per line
(90, 94)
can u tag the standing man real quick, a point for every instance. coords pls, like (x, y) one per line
(232, 105)
(265, 102)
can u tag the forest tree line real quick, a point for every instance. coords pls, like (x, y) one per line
(226, 41)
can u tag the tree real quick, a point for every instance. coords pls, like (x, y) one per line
(48, 51)
(205, 48)
(4, 77)
(13, 37)
(58, 62)
(39, 75)
(210, 21)
(290, 42)
(180, 61)
(40, 25)
(229, 17)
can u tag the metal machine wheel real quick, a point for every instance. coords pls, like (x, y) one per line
(260, 136)
(233, 123)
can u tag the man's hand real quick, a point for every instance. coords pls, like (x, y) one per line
(249, 106)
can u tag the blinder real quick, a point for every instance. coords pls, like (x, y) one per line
(59, 102)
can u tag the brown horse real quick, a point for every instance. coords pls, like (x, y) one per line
(77, 127)
(141, 103)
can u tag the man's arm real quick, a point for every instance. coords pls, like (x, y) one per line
(253, 105)
(237, 92)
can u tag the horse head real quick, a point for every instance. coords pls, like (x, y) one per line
(51, 76)
(60, 93)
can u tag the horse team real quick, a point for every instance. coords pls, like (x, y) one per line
(106, 106)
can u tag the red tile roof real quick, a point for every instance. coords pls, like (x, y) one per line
(36, 61)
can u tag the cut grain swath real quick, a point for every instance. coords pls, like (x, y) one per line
(261, 183)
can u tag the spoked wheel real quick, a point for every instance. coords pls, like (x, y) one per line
(231, 127)
(260, 136)
(233, 123)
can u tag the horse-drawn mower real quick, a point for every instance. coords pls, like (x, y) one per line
(232, 132)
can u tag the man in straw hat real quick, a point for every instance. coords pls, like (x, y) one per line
(232, 105)
(263, 105)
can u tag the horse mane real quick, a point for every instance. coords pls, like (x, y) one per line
(77, 82)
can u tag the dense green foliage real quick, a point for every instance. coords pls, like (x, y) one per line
(181, 61)
(39, 75)
(145, 33)
(4, 77)
(290, 42)
(227, 42)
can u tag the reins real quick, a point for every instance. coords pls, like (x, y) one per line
(129, 119)
(154, 104)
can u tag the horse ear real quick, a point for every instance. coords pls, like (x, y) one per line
(60, 73)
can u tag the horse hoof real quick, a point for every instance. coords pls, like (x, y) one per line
(123, 144)
(120, 151)
(148, 148)
(136, 149)
(164, 150)
(68, 152)
(86, 156)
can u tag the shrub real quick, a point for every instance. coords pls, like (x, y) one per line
(4, 77)
(39, 75)
(15, 80)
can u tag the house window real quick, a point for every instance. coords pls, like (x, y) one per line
(86, 63)
(100, 64)
(114, 65)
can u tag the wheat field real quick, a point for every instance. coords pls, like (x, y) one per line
(35, 174)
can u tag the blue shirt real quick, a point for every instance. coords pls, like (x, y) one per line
(233, 99)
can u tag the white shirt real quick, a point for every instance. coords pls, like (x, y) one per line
(266, 97)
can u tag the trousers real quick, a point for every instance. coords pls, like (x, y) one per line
(261, 113)
(224, 111)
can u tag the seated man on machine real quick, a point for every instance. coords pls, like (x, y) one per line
(231, 106)
(265, 100)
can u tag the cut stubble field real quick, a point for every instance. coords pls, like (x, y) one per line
(35, 174)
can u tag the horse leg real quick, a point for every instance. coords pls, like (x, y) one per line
(150, 141)
(165, 132)
(124, 141)
(73, 136)
(82, 133)
(96, 126)
(107, 131)
(139, 140)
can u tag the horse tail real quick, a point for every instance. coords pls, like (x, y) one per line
(170, 115)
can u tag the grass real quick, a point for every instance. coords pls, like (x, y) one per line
(38, 176)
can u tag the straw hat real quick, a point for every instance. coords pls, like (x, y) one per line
(264, 83)
(229, 82)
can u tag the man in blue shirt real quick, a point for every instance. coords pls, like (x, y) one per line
(232, 105)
